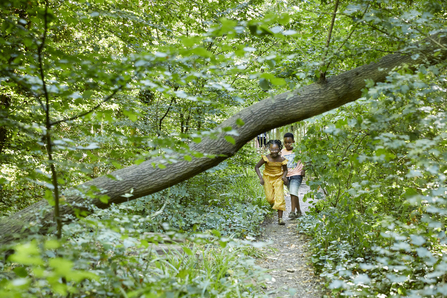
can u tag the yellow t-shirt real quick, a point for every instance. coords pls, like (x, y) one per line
(273, 168)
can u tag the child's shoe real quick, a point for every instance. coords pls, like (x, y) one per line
(281, 222)
(292, 215)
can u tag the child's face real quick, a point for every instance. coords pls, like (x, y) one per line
(288, 143)
(274, 150)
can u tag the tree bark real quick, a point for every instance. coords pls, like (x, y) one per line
(5, 102)
(272, 112)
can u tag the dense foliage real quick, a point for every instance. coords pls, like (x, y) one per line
(90, 87)
(381, 228)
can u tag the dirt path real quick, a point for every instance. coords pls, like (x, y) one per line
(287, 257)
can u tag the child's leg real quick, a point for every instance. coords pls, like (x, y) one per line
(280, 221)
(280, 203)
(278, 195)
(295, 203)
(294, 185)
(269, 190)
(280, 213)
(292, 202)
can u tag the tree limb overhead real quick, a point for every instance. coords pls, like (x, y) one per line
(267, 114)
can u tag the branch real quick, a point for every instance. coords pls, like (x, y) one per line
(346, 149)
(92, 109)
(426, 35)
(262, 53)
(39, 54)
(294, 106)
(383, 31)
(347, 38)
(169, 108)
(49, 146)
(334, 14)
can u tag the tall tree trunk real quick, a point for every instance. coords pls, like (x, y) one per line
(5, 102)
(283, 109)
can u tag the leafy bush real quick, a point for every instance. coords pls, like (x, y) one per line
(381, 229)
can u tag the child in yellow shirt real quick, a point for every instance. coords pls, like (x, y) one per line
(274, 177)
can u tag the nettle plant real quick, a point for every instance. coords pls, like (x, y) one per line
(381, 228)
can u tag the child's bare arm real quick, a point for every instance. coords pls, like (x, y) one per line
(284, 175)
(257, 166)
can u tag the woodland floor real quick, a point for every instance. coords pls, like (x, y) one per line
(287, 257)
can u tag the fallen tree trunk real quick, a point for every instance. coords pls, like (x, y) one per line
(272, 112)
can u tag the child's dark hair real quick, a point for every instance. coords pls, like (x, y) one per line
(289, 135)
(277, 142)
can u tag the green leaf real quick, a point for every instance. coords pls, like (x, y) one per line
(278, 81)
(240, 122)
(187, 158)
(61, 266)
(116, 165)
(131, 115)
(139, 161)
(27, 254)
(189, 42)
(227, 128)
(111, 177)
(52, 244)
(104, 199)
(417, 240)
(87, 94)
(108, 116)
(264, 84)
(230, 139)
(268, 76)
(49, 197)
(197, 154)
(183, 273)
(284, 19)
(21, 272)
(187, 250)
(80, 275)
(404, 89)
(201, 52)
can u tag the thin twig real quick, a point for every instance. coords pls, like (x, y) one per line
(347, 38)
(92, 109)
(429, 37)
(382, 31)
(252, 61)
(328, 41)
(167, 111)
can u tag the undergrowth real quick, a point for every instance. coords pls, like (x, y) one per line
(112, 252)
